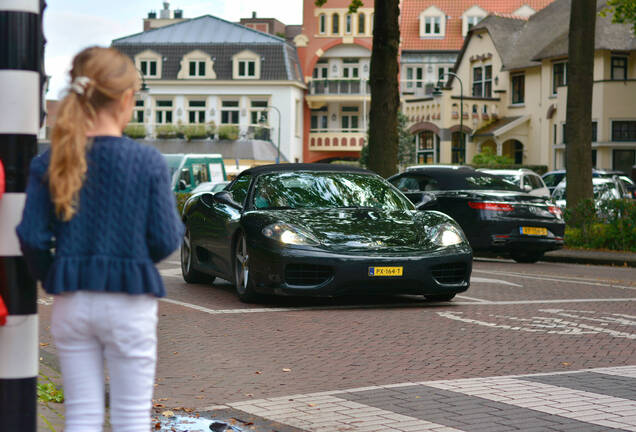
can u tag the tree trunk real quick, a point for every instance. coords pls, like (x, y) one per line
(385, 97)
(579, 104)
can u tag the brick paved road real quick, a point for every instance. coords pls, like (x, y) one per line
(461, 365)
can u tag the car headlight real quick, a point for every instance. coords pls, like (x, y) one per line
(448, 235)
(289, 234)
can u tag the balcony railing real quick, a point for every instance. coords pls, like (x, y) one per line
(339, 87)
(337, 140)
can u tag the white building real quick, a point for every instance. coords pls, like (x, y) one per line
(208, 73)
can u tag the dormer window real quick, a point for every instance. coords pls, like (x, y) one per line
(471, 17)
(432, 23)
(196, 65)
(149, 64)
(246, 65)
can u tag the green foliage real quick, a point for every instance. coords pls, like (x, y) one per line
(610, 225)
(261, 133)
(135, 130)
(624, 12)
(181, 198)
(353, 6)
(228, 132)
(406, 142)
(489, 158)
(210, 128)
(48, 391)
(193, 131)
(364, 156)
(166, 131)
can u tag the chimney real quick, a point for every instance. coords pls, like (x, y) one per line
(178, 13)
(253, 14)
(152, 15)
(165, 12)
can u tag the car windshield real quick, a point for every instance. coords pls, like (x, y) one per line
(510, 178)
(293, 190)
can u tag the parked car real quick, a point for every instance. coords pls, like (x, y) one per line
(527, 180)
(604, 189)
(187, 171)
(497, 216)
(321, 230)
(210, 187)
(553, 178)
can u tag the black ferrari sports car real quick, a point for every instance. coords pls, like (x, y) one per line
(321, 230)
(496, 215)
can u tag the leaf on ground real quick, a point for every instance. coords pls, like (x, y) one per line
(167, 413)
(286, 370)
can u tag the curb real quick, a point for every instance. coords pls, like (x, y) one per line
(592, 257)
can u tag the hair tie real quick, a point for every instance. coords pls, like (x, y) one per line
(79, 84)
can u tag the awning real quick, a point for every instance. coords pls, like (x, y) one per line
(501, 126)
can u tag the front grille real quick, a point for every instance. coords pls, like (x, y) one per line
(452, 273)
(307, 274)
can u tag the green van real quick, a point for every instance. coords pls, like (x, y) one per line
(188, 170)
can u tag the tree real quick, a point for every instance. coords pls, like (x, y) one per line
(624, 12)
(385, 96)
(579, 103)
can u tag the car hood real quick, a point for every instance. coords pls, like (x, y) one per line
(354, 229)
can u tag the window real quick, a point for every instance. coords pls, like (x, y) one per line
(239, 188)
(299, 114)
(361, 23)
(229, 112)
(319, 119)
(594, 131)
(440, 74)
(349, 119)
(335, 23)
(149, 68)
(426, 148)
(258, 112)
(350, 68)
(196, 112)
(559, 75)
(477, 81)
(482, 81)
(163, 111)
(197, 68)
(432, 25)
(554, 134)
(564, 134)
(246, 68)
(471, 21)
(348, 24)
(623, 159)
(624, 130)
(322, 23)
(138, 114)
(619, 68)
(321, 70)
(518, 89)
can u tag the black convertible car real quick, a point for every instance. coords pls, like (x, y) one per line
(496, 215)
(321, 230)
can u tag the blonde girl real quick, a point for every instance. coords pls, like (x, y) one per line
(99, 214)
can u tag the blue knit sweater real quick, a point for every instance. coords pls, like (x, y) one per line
(126, 221)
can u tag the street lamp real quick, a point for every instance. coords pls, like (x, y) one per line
(437, 92)
(278, 143)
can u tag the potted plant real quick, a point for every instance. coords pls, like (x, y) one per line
(166, 131)
(135, 130)
(228, 132)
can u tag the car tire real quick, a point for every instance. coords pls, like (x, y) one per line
(440, 297)
(190, 275)
(243, 283)
(526, 257)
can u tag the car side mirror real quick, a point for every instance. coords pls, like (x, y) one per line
(226, 198)
(422, 200)
(182, 185)
(527, 188)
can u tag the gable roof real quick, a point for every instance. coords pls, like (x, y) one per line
(205, 29)
(453, 9)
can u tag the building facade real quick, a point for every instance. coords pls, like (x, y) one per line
(222, 76)
(511, 88)
(334, 48)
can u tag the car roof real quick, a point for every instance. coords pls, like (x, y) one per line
(296, 167)
(453, 167)
(595, 180)
(506, 171)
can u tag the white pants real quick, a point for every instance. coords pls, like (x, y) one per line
(90, 327)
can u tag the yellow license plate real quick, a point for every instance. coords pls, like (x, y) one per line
(385, 271)
(535, 231)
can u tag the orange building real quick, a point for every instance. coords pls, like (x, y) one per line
(334, 48)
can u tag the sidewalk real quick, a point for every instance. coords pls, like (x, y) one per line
(584, 256)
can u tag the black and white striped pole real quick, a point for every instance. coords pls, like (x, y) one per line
(21, 82)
